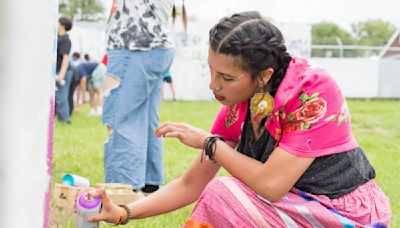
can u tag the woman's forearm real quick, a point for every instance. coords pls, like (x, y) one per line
(238, 165)
(169, 198)
(178, 193)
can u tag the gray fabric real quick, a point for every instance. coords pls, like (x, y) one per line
(333, 175)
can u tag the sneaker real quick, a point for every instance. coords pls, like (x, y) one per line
(92, 112)
(99, 111)
(148, 189)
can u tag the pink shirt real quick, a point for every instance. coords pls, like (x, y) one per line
(310, 116)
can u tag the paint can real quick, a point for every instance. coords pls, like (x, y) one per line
(86, 207)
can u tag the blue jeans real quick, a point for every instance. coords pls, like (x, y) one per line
(62, 104)
(133, 154)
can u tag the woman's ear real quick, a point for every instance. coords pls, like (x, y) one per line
(265, 76)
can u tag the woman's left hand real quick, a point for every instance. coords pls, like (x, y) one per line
(188, 135)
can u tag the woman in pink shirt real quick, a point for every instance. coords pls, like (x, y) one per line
(283, 133)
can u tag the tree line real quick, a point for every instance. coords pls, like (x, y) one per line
(372, 33)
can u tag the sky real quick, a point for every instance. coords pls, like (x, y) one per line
(341, 12)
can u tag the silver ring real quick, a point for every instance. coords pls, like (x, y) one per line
(218, 89)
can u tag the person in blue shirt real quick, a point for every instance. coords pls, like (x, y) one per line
(93, 74)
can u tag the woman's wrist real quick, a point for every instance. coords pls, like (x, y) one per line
(124, 215)
(210, 147)
(201, 141)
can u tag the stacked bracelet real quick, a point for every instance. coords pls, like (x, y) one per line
(128, 215)
(210, 147)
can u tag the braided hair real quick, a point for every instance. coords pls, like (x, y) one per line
(255, 42)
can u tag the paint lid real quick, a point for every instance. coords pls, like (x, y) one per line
(75, 180)
(88, 203)
(68, 179)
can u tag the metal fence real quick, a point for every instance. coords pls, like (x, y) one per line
(343, 51)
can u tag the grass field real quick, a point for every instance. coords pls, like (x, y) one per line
(78, 148)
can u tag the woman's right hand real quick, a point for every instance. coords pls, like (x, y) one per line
(187, 134)
(110, 212)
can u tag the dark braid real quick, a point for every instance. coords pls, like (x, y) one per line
(257, 43)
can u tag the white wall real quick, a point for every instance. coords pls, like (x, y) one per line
(191, 74)
(190, 71)
(27, 44)
(389, 81)
(357, 77)
(88, 38)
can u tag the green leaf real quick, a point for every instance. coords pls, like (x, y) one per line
(290, 116)
(313, 96)
(304, 97)
(305, 126)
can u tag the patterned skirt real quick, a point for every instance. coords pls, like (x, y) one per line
(227, 202)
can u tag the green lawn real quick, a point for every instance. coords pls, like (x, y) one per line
(78, 148)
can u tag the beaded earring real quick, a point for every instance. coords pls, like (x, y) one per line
(261, 105)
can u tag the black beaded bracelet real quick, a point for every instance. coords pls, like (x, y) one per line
(210, 147)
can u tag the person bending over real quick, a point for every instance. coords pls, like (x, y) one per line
(283, 133)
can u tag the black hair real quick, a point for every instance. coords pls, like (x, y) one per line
(255, 42)
(76, 55)
(86, 57)
(66, 23)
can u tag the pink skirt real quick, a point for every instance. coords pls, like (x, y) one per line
(227, 202)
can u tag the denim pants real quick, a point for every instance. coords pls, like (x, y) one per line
(62, 104)
(132, 153)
